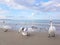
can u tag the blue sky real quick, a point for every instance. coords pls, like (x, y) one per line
(29, 9)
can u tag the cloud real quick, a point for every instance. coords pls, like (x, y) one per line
(12, 4)
(50, 6)
(2, 17)
(2, 11)
(56, 1)
(30, 1)
(43, 6)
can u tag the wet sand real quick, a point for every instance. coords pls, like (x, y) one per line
(40, 38)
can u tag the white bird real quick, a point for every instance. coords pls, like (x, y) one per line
(6, 27)
(52, 30)
(30, 30)
(22, 28)
(24, 31)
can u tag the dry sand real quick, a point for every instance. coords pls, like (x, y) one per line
(13, 38)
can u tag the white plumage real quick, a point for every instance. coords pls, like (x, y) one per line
(30, 30)
(20, 29)
(24, 31)
(52, 30)
(6, 28)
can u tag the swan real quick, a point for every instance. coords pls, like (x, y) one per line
(24, 31)
(21, 29)
(30, 30)
(6, 27)
(51, 30)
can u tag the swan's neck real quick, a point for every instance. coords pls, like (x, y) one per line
(51, 24)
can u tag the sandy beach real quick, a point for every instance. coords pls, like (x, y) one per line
(36, 38)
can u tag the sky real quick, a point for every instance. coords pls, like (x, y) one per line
(29, 9)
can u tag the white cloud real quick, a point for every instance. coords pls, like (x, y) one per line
(30, 1)
(58, 5)
(56, 1)
(3, 11)
(2, 17)
(46, 3)
(12, 4)
(17, 6)
(51, 5)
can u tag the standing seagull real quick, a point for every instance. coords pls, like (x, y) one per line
(51, 30)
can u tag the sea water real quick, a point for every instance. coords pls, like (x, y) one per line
(42, 25)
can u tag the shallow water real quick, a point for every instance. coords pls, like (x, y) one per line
(42, 25)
